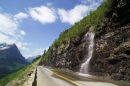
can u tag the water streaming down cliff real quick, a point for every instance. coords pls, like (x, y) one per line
(90, 39)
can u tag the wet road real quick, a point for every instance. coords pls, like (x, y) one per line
(45, 77)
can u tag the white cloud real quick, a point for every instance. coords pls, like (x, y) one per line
(86, 1)
(37, 52)
(27, 56)
(21, 15)
(73, 15)
(8, 29)
(23, 46)
(27, 44)
(48, 14)
(92, 4)
(7, 39)
(9, 32)
(43, 14)
(49, 4)
(22, 32)
(79, 11)
(40, 51)
(7, 24)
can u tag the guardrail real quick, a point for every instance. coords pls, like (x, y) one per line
(32, 79)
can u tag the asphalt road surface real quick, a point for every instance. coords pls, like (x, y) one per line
(45, 77)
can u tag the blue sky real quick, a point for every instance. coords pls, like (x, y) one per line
(33, 25)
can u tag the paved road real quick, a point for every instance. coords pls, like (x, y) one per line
(46, 77)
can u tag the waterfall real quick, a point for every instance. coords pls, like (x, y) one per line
(90, 39)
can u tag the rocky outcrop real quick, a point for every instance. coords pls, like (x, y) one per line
(111, 51)
(112, 47)
(68, 55)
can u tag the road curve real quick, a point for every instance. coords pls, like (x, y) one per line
(45, 77)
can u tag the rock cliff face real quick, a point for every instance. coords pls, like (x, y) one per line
(112, 47)
(111, 55)
(10, 59)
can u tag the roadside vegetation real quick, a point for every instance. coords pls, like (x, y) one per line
(18, 78)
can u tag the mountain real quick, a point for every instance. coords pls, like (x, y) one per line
(111, 54)
(10, 59)
(30, 59)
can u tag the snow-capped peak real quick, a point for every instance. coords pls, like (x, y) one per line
(4, 46)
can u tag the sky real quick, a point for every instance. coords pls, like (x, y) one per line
(33, 25)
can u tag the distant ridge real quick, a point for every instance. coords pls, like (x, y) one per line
(30, 59)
